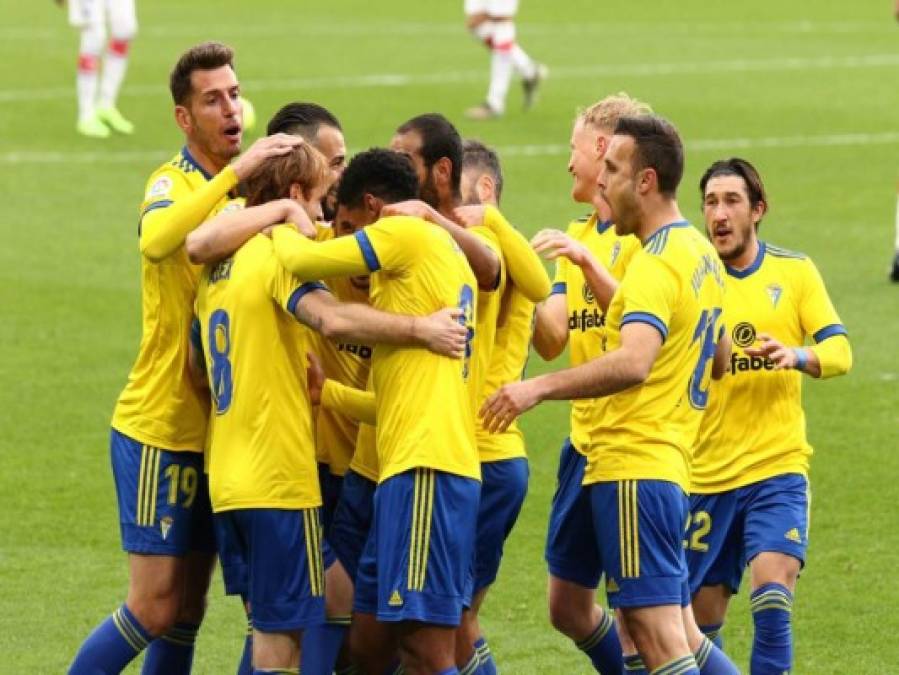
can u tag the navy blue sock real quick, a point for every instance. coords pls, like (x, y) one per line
(112, 645)
(603, 647)
(713, 632)
(172, 653)
(633, 665)
(712, 661)
(485, 657)
(772, 647)
(245, 667)
(685, 665)
(321, 646)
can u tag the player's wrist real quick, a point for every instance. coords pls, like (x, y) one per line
(801, 359)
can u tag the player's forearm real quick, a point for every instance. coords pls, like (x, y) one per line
(608, 374)
(354, 403)
(523, 264)
(222, 235)
(163, 231)
(483, 261)
(550, 329)
(829, 358)
(309, 260)
(362, 323)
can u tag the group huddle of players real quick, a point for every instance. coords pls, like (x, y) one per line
(332, 364)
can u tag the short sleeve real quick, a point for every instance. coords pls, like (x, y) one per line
(391, 243)
(650, 292)
(817, 315)
(164, 188)
(560, 283)
(286, 289)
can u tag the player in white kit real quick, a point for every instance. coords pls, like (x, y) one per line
(97, 94)
(493, 23)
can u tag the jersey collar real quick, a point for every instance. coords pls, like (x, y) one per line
(189, 158)
(742, 274)
(602, 226)
(676, 223)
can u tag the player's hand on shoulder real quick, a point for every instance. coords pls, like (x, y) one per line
(771, 348)
(264, 148)
(315, 378)
(443, 332)
(470, 215)
(552, 244)
(414, 208)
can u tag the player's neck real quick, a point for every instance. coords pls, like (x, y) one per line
(657, 217)
(746, 258)
(209, 163)
(603, 212)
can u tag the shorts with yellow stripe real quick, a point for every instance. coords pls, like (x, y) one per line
(639, 529)
(417, 559)
(163, 499)
(275, 557)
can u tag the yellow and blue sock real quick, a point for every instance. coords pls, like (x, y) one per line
(713, 632)
(321, 645)
(112, 645)
(245, 667)
(633, 665)
(685, 665)
(172, 653)
(485, 657)
(712, 661)
(603, 647)
(772, 646)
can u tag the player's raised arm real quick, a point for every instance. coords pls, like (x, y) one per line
(525, 269)
(309, 260)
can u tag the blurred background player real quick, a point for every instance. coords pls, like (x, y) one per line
(493, 23)
(894, 275)
(749, 487)
(97, 94)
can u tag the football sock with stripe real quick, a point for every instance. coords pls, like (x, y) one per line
(321, 645)
(712, 661)
(603, 647)
(772, 646)
(633, 665)
(485, 656)
(112, 645)
(245, 667)
(473, 665)
(172, 653)
(685, 665)
(713, 633)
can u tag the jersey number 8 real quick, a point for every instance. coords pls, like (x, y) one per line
(219, 350)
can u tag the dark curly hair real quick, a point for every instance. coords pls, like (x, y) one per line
(382, 173)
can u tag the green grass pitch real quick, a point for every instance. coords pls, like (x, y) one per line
(806, 90)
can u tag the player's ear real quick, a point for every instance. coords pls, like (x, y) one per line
(443, 167)
(296, 192)
(647, 180)
(602, 144)
(485, 189)
(183, 118)
(373, 206)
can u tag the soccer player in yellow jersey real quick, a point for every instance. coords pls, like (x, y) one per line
(590, 260)
(749, 484)
(262, 475)
(664, 325)
(413, 571)
(159, 423)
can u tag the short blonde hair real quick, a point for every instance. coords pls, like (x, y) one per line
(605, 114)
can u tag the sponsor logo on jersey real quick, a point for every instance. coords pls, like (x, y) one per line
(160, 188)
(589, 298)
(743, 334)
(586, 319)
(743, 364)
(774, 292)
(362, 351)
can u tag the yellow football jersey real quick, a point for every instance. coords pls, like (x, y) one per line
(349, 364)
(507, 364)
(488, 310)
(365, 458)
(424, 410)
(676, 284)
(262, 453)
(159, 405)
(781, 294)
(586, 321)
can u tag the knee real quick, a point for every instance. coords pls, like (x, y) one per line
(92, 38)
(567, 617)
(157, 614)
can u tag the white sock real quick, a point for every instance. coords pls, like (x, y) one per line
(86, 84)
(524, 64)
(500, 77)
(114, 66)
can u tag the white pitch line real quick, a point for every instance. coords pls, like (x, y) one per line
(393, 80)
(536, 150)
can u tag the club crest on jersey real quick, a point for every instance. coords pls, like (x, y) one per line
(160, 188)
(616, 249)
(165, 525)
(588, 295)
(774, 292)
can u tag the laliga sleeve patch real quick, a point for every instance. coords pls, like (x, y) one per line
(160, 188)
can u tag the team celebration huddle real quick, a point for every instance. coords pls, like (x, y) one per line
(333, 363)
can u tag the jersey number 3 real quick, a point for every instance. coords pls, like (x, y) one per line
(466, 304)
(221, 380)
(706, 333)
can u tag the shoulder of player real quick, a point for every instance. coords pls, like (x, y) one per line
(783, 253)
